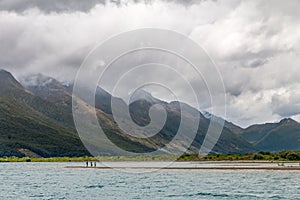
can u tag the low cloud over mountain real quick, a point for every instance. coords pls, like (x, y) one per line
(255, 44)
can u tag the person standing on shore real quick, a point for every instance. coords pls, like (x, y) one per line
(91, 164)
(87, 163)
(95, 163)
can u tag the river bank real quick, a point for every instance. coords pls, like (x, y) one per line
(276, 157)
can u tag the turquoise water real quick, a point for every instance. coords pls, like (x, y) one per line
(53, 181)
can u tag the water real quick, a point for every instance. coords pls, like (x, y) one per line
(53, 181)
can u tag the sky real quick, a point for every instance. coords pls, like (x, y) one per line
(254, 44)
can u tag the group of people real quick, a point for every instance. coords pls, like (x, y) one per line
(92, 164)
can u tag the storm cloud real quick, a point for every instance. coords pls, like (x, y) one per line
(255, 44)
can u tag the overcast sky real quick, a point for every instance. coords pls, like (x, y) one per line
(255, 44)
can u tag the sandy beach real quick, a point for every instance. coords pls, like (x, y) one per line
(194, 166)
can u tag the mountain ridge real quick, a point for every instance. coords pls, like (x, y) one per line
(57, 98)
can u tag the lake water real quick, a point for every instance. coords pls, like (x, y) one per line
(54, 181)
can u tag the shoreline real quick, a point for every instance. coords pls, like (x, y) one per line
(177, 161)
(292, 156)
(202, 165)
(283, 168)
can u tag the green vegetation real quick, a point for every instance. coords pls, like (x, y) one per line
(260, 156)
(54, 159)
(88, 158)
(282, 156)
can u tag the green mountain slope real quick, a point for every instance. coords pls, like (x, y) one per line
(51, 90)
(256, 132)
(229, 142)
(284, 136)
(37, 120)
(32, 123)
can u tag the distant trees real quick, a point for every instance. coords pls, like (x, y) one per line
(263, 155)
(290, 155)
(283, 155)
(293, 156)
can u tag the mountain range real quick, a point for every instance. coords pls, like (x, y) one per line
(36, 120)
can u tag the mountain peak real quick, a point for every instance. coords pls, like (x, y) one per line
(39, 80)
(288, 121)
(5, 74)
(142, 94)
(8, 81)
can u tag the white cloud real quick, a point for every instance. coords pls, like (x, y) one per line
(256, 44)
(257, 48)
